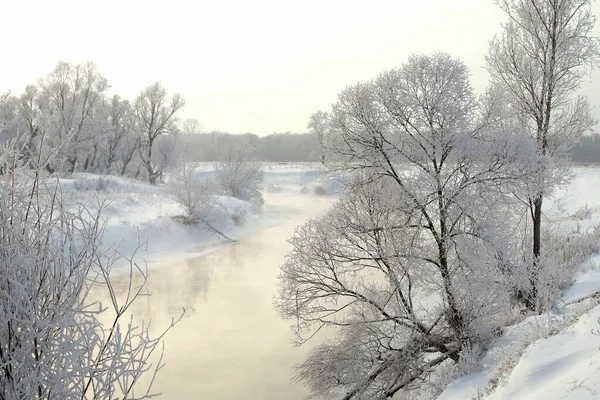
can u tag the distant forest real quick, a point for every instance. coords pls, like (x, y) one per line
(587, 150)
(303, 147)
(277, 147)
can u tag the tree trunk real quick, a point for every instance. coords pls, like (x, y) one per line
(72, 163)
(531, 299)
(153, 176)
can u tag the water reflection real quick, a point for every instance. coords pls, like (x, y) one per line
(230, 344)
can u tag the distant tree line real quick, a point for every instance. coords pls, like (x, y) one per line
(587, 150)
(277, 147)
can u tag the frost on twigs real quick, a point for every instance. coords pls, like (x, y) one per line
(198, 199)
(195, 195)
(56, 341)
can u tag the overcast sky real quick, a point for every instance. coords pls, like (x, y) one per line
(245, 66)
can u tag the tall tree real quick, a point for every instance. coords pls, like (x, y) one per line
(405, 265)
(154, 114)
(539, 59)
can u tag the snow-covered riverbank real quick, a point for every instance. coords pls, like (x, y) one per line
(556, 355)
(141, 219)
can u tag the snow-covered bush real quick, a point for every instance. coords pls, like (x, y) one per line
(195, 195)
(55, 341)
(562, 256)
(89, 183)
(238, 176)
(583, 213)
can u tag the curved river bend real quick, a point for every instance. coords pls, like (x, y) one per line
(230, 344)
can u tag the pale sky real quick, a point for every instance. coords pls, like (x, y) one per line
(257, 66)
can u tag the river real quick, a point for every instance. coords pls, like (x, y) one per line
(230, 343)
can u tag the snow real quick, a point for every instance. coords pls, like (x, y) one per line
(562, 366)
(582, 192)
(556, 355)
(139, 218)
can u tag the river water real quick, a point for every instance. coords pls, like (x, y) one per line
(230, 343)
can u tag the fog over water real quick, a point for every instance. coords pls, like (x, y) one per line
(230, 344)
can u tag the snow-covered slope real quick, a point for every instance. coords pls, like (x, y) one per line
(557, 355)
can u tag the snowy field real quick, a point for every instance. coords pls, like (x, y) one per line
(556, 355)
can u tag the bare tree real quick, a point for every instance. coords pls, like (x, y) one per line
(120, 127)
(72, 93)
(406, 267)
(193, 194)
(318, 124)
(34, 116)
(8, 117)
(191, 126)
(237, 175)
(131, 145)
(154, 114)
(197, 197)
(539, 59)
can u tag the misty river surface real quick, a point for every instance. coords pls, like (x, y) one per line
(230, 344)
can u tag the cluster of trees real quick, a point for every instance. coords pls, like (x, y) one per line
(440, 231)
(69, 122)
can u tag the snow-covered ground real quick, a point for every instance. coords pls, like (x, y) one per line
(140, 218)
(557, 355)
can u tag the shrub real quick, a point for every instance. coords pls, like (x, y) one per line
(196, 196)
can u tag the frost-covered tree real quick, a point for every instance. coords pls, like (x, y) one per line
(168, 151)
(318, 124)
(118, 118)
(539, 59)
(71, 94)
(33, 122)
(197, 197)
(407, 267)
(9, 106)
(237, 175)
(191, 126)
(154, 115)
(56, 341)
